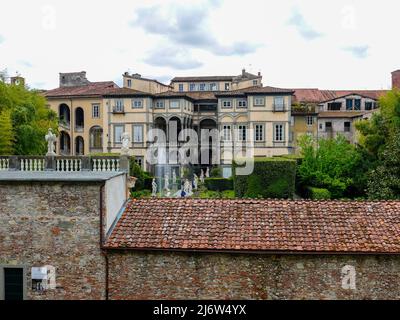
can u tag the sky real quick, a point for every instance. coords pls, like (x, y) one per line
(341, 44)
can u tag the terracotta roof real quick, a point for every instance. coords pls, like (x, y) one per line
(255, 90)
(340, 114)
(124, 92)
(92, 89)
(258, 225)
(317, 96)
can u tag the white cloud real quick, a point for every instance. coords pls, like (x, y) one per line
(204, 37)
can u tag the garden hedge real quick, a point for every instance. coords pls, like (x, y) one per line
(218, 184)
(318, 193)
(271, 178)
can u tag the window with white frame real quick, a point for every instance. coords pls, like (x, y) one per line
(226, 103)
(160, 105)
(227, 86)
(242, 132)
(95, 111)
(137, 103)
(255, 82)
(213, 87)
(227, 133)
(129, 83)
(242, 103)
(118, 131)
(138, 133)
(310, 120)
(259, 132)
(259, 101)
(181, 87)
(139, 161)
(192, 87)
(202, 86)
(279, 133)
(119, 105)
(279, 103)
(174, 104)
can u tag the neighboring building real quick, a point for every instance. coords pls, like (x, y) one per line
(101, 112)
(104, 248)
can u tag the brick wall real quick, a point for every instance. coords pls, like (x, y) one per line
(396, 79)
(161, 275)
(54, 224)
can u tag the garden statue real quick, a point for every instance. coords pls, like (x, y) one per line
(195, 181)
(202, 176)
(51, 139)
(187, 187)
(208, 172)
(154, 187)
(166, 185)
(173, 177)
(126, 141)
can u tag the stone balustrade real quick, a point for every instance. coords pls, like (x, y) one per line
(65, 163)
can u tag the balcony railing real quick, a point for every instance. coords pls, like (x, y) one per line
(118, 109)
(64, 163)
(279, 107)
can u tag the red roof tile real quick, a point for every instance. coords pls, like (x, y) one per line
(259, 225)
(316, 96)
(92, 89)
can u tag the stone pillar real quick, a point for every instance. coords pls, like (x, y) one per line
(86, 164)
(50, 163)
(124, 164)
(14, 164)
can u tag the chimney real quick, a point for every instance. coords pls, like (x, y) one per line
(259, 73)
(396, 79)
(243, 72)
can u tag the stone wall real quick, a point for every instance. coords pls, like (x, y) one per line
(163, 275)
(55, 224)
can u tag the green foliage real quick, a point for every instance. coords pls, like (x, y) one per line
(216, 172)
(208, 194)
(7, 136)
(318, 193)
(30, 117)
(271, 178)
(384, 181)
(218, 184)
(143, 178)
(328, 163)
(141, 194)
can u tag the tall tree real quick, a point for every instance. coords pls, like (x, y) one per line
(6, 134)
(30, 117)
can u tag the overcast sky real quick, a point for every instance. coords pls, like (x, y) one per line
(341, 44)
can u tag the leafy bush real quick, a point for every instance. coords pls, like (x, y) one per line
(271, 178)
(318, 193)
(143, 177)
(141, 194)
(216, 172)
(227, 194)
(218, 184)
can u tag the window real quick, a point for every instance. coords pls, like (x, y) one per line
(328, 126)
(227, 133)
(242, 103)
(310, 120)
(259, 132)
(202, 86)
(137, 103)
(255, 82)
(368, 106)
(347, 126)
(95, 111)
(321, 126)
(226, 104)
(160, 105)
(349, 104)
(192, 87)
(278, 133)
(213, 87)
(357, 104)
(259, 101)
(279, 104)
(242, 131)
(96, 137)
(119, 105)
(334, 106)
(13, 283)
(129, 83)
(174, 104)
(181, 87)
(118, 131)
(227, 86)
(137, 133)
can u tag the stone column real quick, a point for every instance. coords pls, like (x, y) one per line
(14, 164)
(50, 163)
(124, 164)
